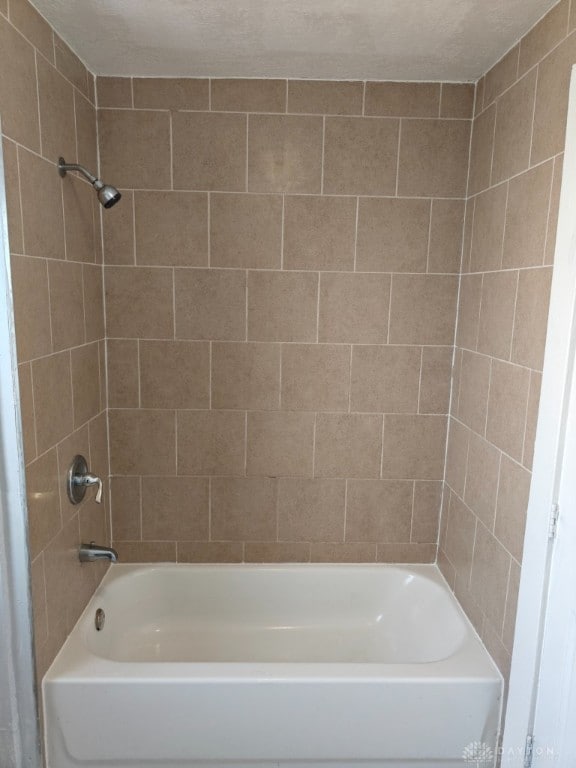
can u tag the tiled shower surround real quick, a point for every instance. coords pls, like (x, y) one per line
(282, 278)
(281, 284)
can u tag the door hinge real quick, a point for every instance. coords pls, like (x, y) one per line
(553, 525)
(529, 750)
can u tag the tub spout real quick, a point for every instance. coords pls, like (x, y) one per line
(90, 552)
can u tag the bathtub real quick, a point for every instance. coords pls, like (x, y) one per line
(249, 666)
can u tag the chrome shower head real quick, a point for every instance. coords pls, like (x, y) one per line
(107, 195)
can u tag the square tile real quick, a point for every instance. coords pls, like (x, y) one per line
(174, 374)
(171, 229)
(310, 510)
(434, 319)
(385, 379)
(354, 308)
(315, 377)
(282, 306)
(210, 304)
(280, 443)
(245, 376)
(243, 508)
(211, 442)
(379, 510)
(348, 445)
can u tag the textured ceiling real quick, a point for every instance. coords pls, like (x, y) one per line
(454, 40)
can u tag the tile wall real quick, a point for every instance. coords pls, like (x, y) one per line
(281, 285)
(46, 110)
(513, 189)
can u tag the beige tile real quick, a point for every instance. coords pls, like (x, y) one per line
(93, 302)
(354, 308)
(531, 318)
(81, 219)
(435, 380)
(12, 191)
(457, 100)
(18, 88)
(142, 442)
(447, 569)
(175, 508)
(114, 91)
(245, 231)
(42, 210)
(139, 302)
(146, 551)
(360, 156)
(456, 377)
(66, 304)
(433, 158)
(507, 407)
(56, 104)
(426, 512)
(402, 99)
(457, 456)
(85, 383)
(284, 153)
(42, 492)
(52, 399)
(237, 95)
(281, 552)
(282, 306)
(488, 229)
(209, 151)
(553, 212)
(460, 535)
(315, 377)
(123, 386)
(98, 433)
(531, 418)
(280, 443)
(170, 93)
(27, 411)
(70, 65)
(4, 7)
(479, 96)
(171, 228)
(31, 307)
(245, 376)
(348, 445)
(513, 132)
(497, 313)
(474, 384)
(174, 374)
(527, 217)
(467, 234)
(333, 552)
(551, 101)
(481, 151)
(414, 447)
(86, 139)
(211, 442)
(392, 235)
(210, 304)
(118, 232)
(126, 138)
(210, 552)
(406, 553)
(446, 228)
(243, 508)
(385, 379)
(435, 298)
(501, 76)
(319, 232)
(511, 607)
(572, 19)
(513, 493)
(38, 588)
(28, 21)
(311, 510)
(489, 577)
(125, 496)
(544, 36)
(379, 510)
(482, 479)
(325, 97)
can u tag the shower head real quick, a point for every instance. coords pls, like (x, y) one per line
(107, 195)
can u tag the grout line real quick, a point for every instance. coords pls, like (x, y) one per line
(245, 443)
(363, 99)
(209, 225)
(175, 442)
(357, 216)
(132, 92)
(493, 531)
(38, 105)
(33, 409)
(412, 514)
(420, 379)
(318, 308)
(280, 363)
(323, 154)
(282, 224)
(209, 94)
(389, 309)
(246, 165)
(314, 445)
(210, 375)
(246, 289)
(514, 316)
(505, 613)
(138, 341)
(209, 508)
(345, 508)
(430, 215)
(173, 270)
(350, 380)
(488, 400)
(140, 538)
(382, 446)
(287, 88)
(171, 133)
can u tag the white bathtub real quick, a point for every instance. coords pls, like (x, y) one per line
(260, 666)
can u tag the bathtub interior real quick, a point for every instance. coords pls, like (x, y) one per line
(268, 614)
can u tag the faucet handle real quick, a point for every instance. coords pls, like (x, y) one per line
(79, 478)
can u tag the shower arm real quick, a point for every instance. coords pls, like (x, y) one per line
(64, 167)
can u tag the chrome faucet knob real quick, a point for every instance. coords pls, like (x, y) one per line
(79, 478)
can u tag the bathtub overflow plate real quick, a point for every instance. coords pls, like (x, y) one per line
(99, 619)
